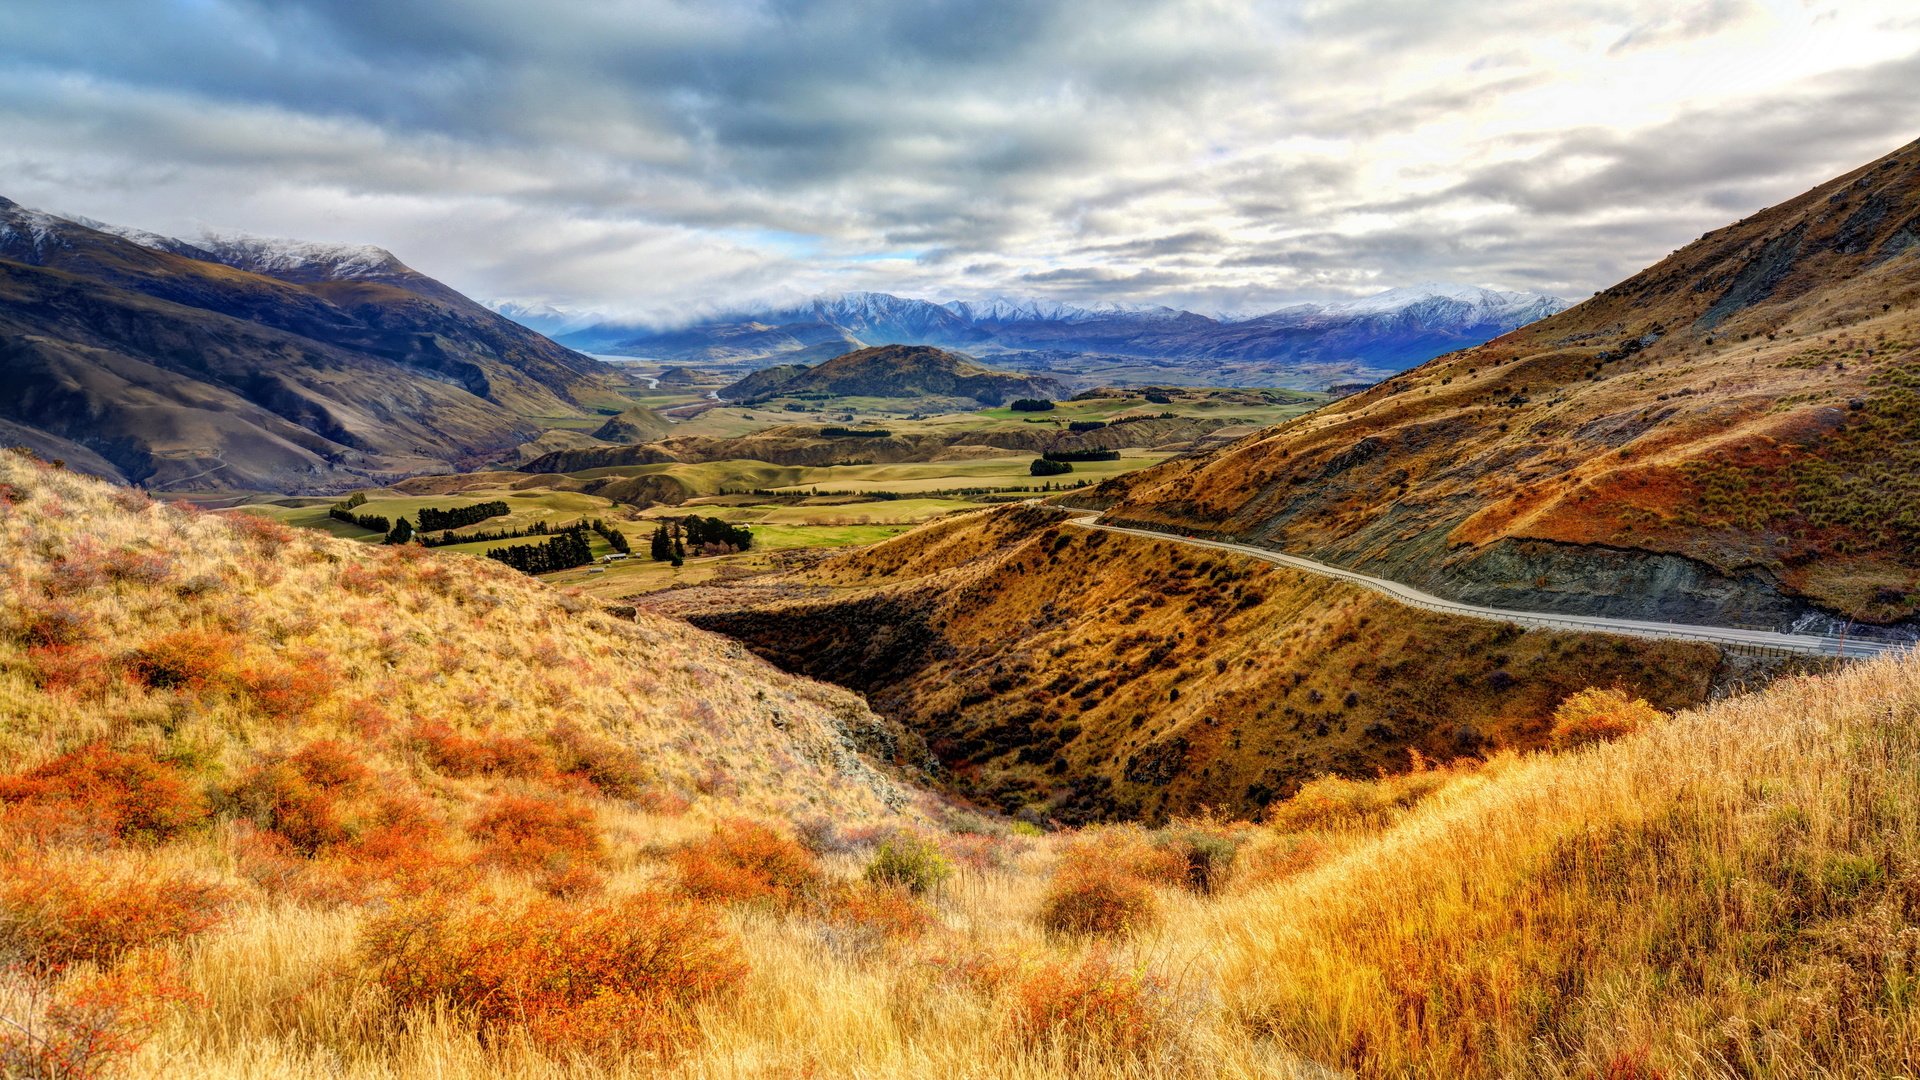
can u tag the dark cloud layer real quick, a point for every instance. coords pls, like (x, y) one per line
(659, 156)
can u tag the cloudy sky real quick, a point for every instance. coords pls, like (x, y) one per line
(656, 158)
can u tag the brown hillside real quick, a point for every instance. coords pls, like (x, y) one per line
(1732, 435)
(1086, 675)
(180, 372)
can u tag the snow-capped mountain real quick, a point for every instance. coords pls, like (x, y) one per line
(1359, 338)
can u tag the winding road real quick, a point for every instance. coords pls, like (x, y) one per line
(1804, 644)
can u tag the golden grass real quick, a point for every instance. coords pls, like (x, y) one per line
(1731, 891)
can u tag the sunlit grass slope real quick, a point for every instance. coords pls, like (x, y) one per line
(273, 804)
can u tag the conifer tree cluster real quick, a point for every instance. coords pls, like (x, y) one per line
(673, 537)
(564, 551)
(433, 520)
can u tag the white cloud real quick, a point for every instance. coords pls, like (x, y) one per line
(661, 157)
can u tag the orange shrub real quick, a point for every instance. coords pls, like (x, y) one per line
(1595, 715)
(617, 771)
(87, 1028)
(886, 912)
(458, 755)
(131, 797)
(1094, 1005)
(259, 529)
(53, 622)
(524, 832)
(288, 692)
(58, 914)
(744, 860)
(1635, 1064)
(78, 671)
(1127, 850)
(603, 978)
(275, 796)
(184, 660)
(1097, 901)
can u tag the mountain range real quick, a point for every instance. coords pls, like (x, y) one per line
(1731, 436)
(241, 363)
(1295, 346)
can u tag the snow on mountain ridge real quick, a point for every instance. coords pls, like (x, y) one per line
(272, 255)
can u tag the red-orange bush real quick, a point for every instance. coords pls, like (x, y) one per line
(85, 1029)
(459, 755)
(1126, 850)
(185, 660)
(130, 797)
(525, 832)
(1595, 715)
(57, 914)
(1093, 1005)
(1098, 901)
(1635, 1064)
(305, 796)
(53, 622)
(608, 977)
(77, 671)
(288, 692)
(259, 529)
(889, 912)
(614, 769)
(744, 860)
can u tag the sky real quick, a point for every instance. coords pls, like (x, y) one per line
(657, 160)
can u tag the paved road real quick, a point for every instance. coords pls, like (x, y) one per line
(1807, 644)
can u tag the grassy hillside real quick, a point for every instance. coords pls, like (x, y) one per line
(1727, 436)
(1063, 672)
(272, 804)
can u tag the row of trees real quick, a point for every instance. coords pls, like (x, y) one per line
(538, 528)
(854, 433)
(614, 537)
(564, 551)
(432, 520)
(1027, 404)
(1081, 455)
(1043, 467)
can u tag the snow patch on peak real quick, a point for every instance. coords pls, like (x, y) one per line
(268, 255)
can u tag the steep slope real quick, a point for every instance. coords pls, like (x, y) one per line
(1087, 676)
(897, 371)
(260, 365)
(1732, 436)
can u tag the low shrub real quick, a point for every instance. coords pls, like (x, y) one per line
(459, 755)
(1125, 851)
(529, 833)
(617, 771)
(911, 862)
(189, 660)
(288, 692)
(1095, 902)
(1595, 715)
(77, 671)
(1094, 1006)
(746, 861)
(86, 1029)
(609, 977)
(130, 797)
(55, 914)
(887, 912)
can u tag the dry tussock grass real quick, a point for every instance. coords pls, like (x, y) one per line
(1730, 891)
